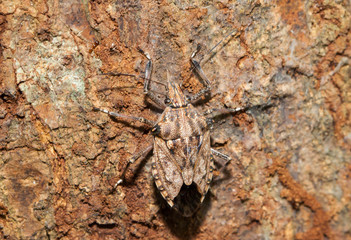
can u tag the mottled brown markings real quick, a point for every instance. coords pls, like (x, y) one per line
(186, 150)
(174, 142)
(182, 153)
(194, 127)
(166, 132)
(176, 124)
(199, 140)
(172, 117)
(191, 115)
(183, 156)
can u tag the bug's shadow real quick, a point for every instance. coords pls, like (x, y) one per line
(188, 227)
(223, 176)
(180, 226)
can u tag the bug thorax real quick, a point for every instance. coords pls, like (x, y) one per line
(180, 122)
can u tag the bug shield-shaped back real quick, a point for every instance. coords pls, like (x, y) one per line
(182, 165)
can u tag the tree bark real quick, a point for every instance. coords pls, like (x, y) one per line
(287, 62)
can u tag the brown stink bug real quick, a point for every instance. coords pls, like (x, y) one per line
(182, 163)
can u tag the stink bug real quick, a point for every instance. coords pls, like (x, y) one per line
(182, 163)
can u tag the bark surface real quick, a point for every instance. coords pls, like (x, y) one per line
(290, 176)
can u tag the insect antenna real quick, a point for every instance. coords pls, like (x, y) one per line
(224, 40)
(217, 112)
(229, 36)
(208, 54)
(118, 74)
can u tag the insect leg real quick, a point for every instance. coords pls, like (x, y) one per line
(202, 75)
(217, 111)
(221, 155)
(200, 72)
(147, 91)
(132, 160)
(222, 111)
(118, 115)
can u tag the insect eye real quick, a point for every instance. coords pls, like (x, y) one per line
(167, 100)
(156, 130)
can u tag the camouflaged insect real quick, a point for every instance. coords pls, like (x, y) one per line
(182, 151)
(182, 163)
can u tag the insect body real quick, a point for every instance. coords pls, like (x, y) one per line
(182, 151)
(182, 163)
